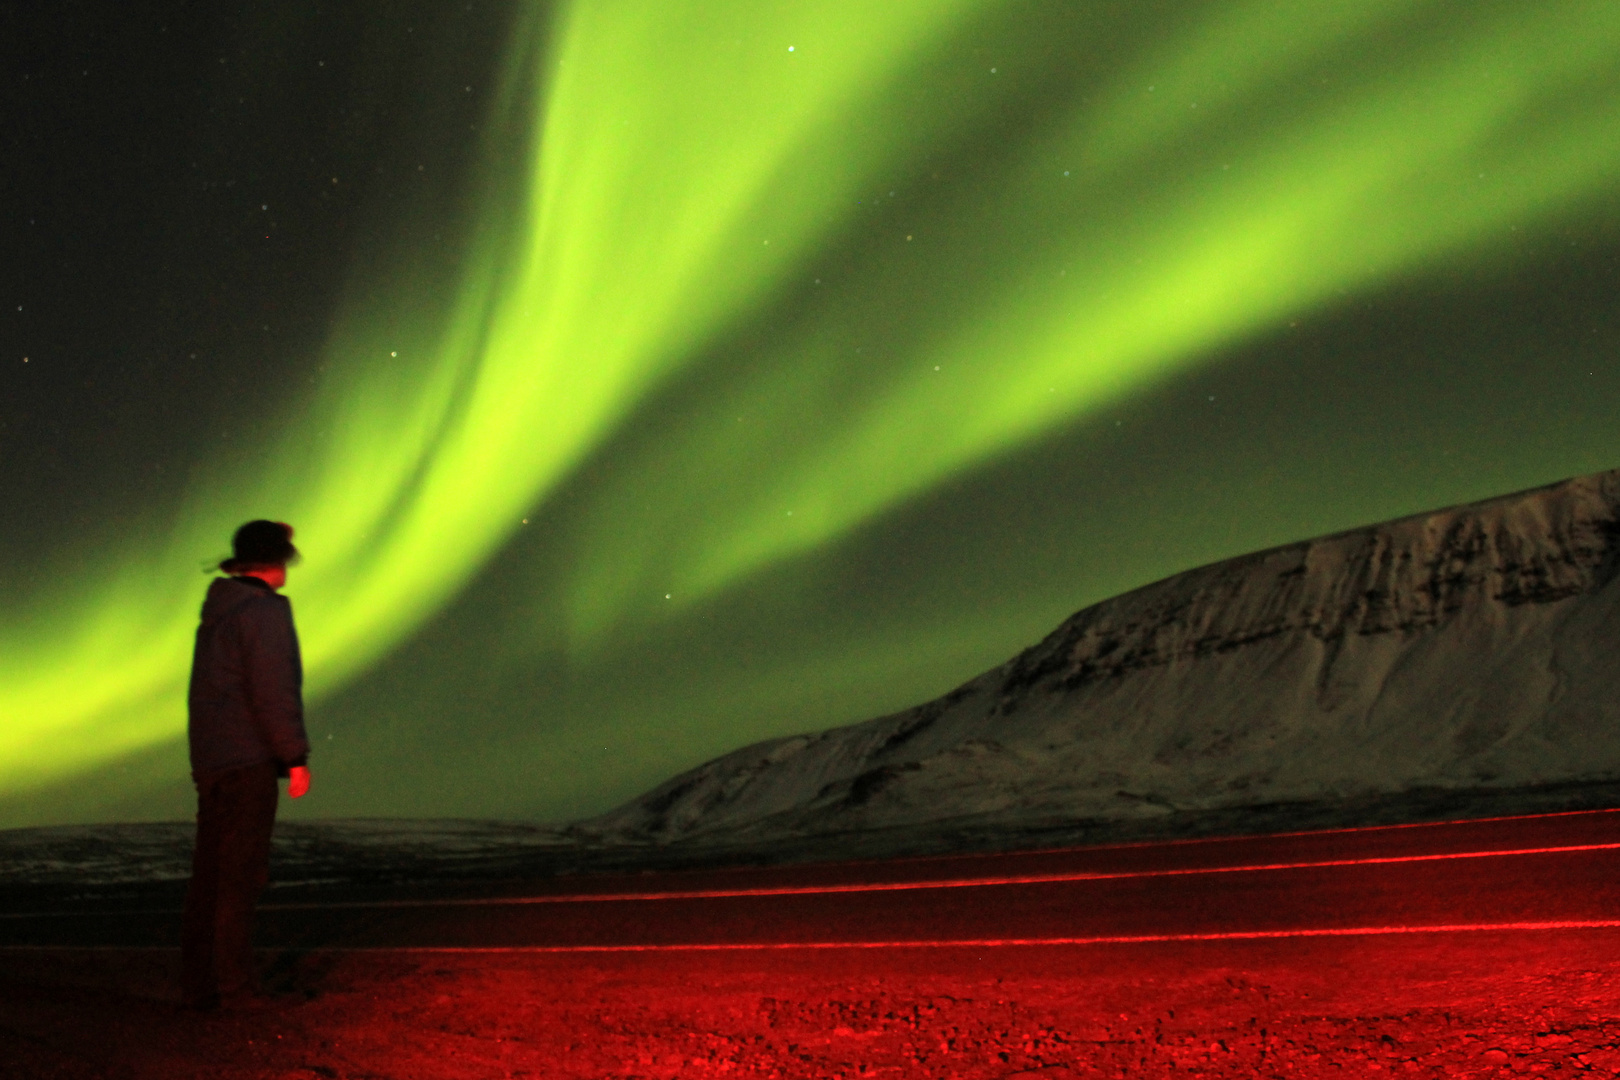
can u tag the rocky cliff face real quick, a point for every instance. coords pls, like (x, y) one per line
(1477, 646)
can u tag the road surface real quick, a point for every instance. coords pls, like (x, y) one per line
(1526, 874)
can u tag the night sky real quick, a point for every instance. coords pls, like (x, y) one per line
(648, 379)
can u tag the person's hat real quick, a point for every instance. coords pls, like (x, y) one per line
(260, 543)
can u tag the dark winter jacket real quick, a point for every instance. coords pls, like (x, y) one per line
(246, 699)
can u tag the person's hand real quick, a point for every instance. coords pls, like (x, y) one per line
(297, 781)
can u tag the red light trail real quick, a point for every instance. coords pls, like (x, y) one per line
(957, 883)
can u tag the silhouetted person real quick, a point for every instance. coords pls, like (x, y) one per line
(246, 729)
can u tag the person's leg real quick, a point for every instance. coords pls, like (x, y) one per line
(197, 983)
(244, 870)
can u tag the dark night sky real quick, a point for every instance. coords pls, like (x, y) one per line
(197, 199)
(177, 241)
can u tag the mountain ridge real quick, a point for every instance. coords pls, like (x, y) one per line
(1450, 649)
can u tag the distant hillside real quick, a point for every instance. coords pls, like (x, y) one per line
(1472, 649)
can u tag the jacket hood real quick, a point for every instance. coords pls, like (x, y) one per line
(225, 595)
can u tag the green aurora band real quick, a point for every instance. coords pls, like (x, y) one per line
(655, 176)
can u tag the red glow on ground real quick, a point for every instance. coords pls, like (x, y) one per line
(1003, 943)
(1453, 950)
(1426, 1005)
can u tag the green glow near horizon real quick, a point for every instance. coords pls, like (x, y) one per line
(684, 169)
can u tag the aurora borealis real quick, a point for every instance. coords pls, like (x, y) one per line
(646, 379)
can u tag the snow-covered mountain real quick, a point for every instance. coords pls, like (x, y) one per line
(1471, 648)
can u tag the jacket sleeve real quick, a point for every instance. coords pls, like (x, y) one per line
(275, 676)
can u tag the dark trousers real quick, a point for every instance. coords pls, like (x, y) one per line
(230, 866)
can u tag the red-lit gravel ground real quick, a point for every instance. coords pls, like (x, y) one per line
(1452, 1005)
(1461, 1002)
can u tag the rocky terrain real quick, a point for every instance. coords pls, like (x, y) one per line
(1450, 659)
(1405, 1006)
